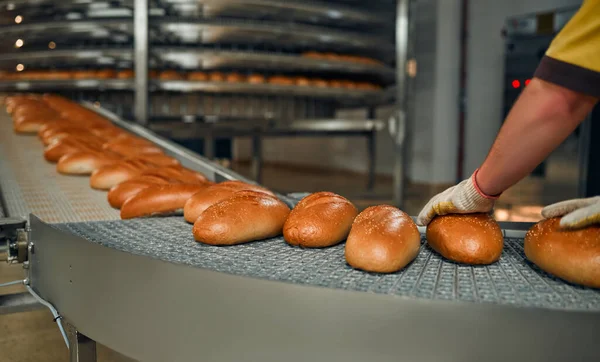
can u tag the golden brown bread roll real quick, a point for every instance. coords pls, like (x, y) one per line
(319, 83)
(235, 78)
(383, 239)
(120, 193)
(302, 81)
(468, 239)
(198, 76)
(32, 125)
(71, 144)
(159, 200)
(106, 74)
(336, 83)
(216, 77)
(131, 150)
(313, 54)
(572, 255)
(281, 80)
(111, 175)
(170, 75)
(214, 194)
(125, 74)
(319, 220)
(84, 163)
(156, 176)
(256, 79)
(246, 216)
(84, 74)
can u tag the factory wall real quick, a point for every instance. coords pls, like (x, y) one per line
(435, 97)
(486, 68)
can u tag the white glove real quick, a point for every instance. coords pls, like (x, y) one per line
(464, 198)
(579, 212)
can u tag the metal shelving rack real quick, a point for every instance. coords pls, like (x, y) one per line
(255, 37)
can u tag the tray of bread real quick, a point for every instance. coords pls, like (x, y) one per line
(163, 210)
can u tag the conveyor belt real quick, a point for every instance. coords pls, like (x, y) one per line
(29, 184)
(511, 281)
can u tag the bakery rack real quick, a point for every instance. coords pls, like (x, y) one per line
(144, 288)
(154, 61)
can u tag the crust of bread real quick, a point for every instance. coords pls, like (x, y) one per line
(383, 239)
(246, 216)
(320, 220)
(158, 200)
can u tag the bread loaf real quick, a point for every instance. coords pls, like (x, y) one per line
(122, 192)
(244, 217)
(383, 239)
(108, 176)
(131, 150)
(572, 255)
(159, 200)
(54, 151)
(158, 176)
(198, 77)
(84, 163)
(319, 220)
(467, 239)
(213, 194)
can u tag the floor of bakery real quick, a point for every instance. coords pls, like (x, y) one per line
(33, 336)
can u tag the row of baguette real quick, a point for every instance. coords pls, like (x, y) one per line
(198, 76)
(142, 181)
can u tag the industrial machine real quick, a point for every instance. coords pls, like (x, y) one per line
(146, 289)
(206, 72)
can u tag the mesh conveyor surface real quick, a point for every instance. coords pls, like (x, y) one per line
(511, 281)
(29, 184)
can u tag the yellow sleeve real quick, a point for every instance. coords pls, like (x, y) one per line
(573, 58)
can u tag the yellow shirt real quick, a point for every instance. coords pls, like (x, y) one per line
(573, 58)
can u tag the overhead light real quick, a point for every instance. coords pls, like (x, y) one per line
(20, 67)
(19, 43)
(10, 6)
(18, 19)
(52, 45)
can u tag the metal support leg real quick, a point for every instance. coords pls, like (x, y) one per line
(140, 25)
(82, 348)
(371, 145)
(403, 27)
(257, 157)
(209, 146)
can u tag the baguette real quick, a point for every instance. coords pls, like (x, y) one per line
(383, 239)
(213, 194)
(159, 200)
(319, 220)
(244, 217)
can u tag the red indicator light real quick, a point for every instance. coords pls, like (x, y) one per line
(527, 81)
(516, 84)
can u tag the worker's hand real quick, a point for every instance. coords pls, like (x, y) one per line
(576, 213)
(464, 198)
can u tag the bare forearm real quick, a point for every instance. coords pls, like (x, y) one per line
(541, 119)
